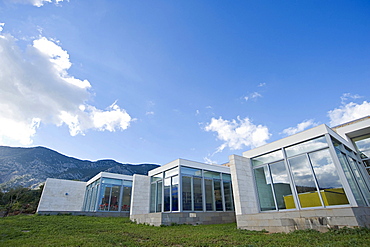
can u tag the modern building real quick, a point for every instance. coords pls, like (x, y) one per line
(183, 192)
(314, 179)
(106, 194)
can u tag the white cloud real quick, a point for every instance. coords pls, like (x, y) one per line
(1, 27)
(347, 96)
(237, 134)
(149, 113)
(348, 112)
(254, 95)
(262, 84)
(208, 160)
(37, 3)
(300, 127)
(35, 88)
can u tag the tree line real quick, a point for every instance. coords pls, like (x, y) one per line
(19, 200)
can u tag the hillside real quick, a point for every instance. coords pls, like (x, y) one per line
(29, 167)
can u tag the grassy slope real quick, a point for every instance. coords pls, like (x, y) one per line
(93, 231)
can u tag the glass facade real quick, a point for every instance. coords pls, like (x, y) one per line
(305, 176)
(200, 190)
(108, 194)
(362, 144)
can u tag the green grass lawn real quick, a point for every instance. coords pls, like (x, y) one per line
(66, 230)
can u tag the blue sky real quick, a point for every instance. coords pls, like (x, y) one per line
(153, 81)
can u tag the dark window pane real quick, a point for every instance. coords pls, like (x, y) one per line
(198, 199)
(186, 193)
(263, 182)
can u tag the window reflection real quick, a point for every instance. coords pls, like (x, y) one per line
(331, 189)
(267, 158)
(304, 182)
(283, 192)
(307, 146)
(263, 180)
(350, 178)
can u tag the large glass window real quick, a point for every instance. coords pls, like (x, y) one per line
(198, 194)
(330, 186)
(228, 194)
(167, 194)
(201, 190)
(282, 189)
(306, 147)
(186, 193)
(208, 186)
(175, 193)
(159, 197)
(218, 195)
(350, 178)
(263, 181)
(304, 182)
(126, 197)
(115, 195)
(363, 145)
(153, 192)
(267, 158)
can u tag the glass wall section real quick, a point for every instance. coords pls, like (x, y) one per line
(350, 177)
(175, 193)
(264, 189)
(218, 195)
(330, 186)
(110, 193)
(304, 182)
(281, 184)
(228, 193)
(201, 190)
(153, 192)
(359, 178)
(308, 176)
(90, 196)
(198, 194)
(158, 207)
(208, 187)
(306, 147)
(192, 189)
(156, 193)
(273, 187)
(187, 199)
(268, 158)
(126, 197)
(113, 195)
(362, 144)
(170, 190)
(167, 194)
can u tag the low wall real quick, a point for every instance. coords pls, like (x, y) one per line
(97, 214)
(195, 218)
(317, 219)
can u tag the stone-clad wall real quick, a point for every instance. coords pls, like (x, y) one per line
(245, 199)
(62, 195)
(204, 218)
(317, 219)
(140, 195)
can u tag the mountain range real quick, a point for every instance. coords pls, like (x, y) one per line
(30, 167)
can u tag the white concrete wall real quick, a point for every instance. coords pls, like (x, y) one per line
(244, 191)
(140, 195)
(62, 195)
